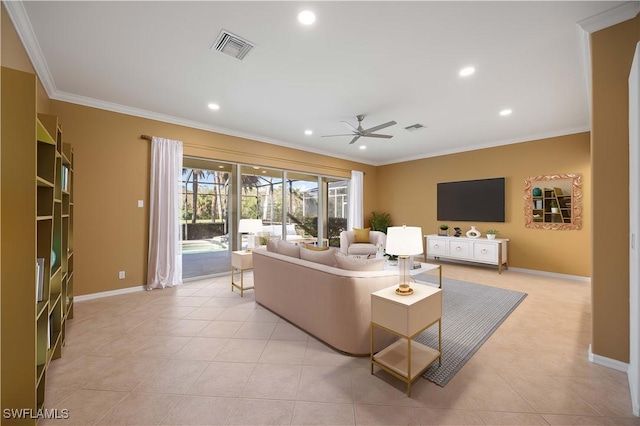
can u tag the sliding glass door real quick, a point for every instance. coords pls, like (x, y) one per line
(206, 202)
(290, 205)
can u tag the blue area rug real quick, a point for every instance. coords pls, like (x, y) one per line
(470, 314)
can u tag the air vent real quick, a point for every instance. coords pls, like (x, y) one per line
(232, 45)
(414, 127)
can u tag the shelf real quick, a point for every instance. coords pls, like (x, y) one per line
(43, 182)
(40, 368)
(394, 357)
(41, 307)
(43, 135)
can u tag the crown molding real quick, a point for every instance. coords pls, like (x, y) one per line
(137, 112)
(613, 16)
(588, 26)
(510, 141)
(18, 16)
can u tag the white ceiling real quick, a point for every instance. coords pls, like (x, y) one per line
(388, 60)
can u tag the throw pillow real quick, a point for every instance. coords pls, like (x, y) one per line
(325, 257)
(316, 248)
(272, 245)
(361, 235)
(359, 264)
(288, 249)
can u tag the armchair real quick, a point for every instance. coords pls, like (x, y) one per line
(349, 246)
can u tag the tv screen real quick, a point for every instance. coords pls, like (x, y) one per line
(479, 200)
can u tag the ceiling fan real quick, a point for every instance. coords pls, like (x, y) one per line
(364, 133)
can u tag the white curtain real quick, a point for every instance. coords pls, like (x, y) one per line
(165, 253)
(354, 220)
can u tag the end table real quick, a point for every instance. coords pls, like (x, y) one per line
(241, 261)
(406, 317)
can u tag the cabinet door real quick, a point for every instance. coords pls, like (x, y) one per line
(461, 249)
(485, 252)
(436, 247)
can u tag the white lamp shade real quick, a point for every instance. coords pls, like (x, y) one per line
(250, 226)
(404, 240)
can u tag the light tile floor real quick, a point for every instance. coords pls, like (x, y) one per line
(201, 355)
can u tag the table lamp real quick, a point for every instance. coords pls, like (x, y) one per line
(251, 227)
(404, 241)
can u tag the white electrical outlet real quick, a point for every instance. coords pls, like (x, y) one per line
(140, 203)
(121, 275)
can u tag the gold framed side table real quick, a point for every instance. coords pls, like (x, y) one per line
(406, 317)
(241, 261)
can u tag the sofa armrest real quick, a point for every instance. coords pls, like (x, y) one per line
(344, 242)
(378, 238)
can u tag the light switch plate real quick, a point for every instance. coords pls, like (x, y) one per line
(140, 203)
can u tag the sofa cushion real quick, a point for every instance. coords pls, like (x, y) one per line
(288, 249)
(317, 248)
(361, 235)
(362, 248)
(351, 263)
(326, 257)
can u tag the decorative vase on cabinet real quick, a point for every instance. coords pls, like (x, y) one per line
(473, 233)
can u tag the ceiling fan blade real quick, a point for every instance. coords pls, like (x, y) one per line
(330, 136)
(354, 139)
(349, 126)
(380, 127)
(376, 135)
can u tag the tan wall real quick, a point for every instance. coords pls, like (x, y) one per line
(408, 192)
(112, 173)
(612, 52)
(14, 56)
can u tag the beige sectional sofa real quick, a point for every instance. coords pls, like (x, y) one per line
(330, 303)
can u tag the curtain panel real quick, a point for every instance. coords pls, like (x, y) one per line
(355, 218)
(165, 253)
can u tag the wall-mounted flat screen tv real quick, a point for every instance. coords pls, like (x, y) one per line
(479, 200)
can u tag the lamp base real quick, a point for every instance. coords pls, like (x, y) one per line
(404, 290)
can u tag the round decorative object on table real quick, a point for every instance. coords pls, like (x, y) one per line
(473, 233)
(537, 192)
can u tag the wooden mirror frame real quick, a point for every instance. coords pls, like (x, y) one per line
(576, 201)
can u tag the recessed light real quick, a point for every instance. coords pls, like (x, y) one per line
(221, 167)
(466, 72)
(505, 112)
(308, 132)
(307, 17)
(214, 107)
(363, 147)
(256, 167)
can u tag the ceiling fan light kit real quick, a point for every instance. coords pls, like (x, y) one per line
(360, 132)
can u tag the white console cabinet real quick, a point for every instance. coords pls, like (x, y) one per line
(480, 250)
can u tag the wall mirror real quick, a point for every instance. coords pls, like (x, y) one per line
(553, 201)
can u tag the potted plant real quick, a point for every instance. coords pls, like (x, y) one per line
(491, 234)
(392, 259)
(554, 207)
(444, 230)
(380, 221)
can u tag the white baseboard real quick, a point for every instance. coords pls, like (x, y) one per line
(109, 293)
(608, 362)
(511, 268)
(552, 274)
(635, 396)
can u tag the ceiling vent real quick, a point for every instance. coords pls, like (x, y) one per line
(414, 127)
(232, 45)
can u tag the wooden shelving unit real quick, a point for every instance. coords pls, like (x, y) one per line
(37, 229)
